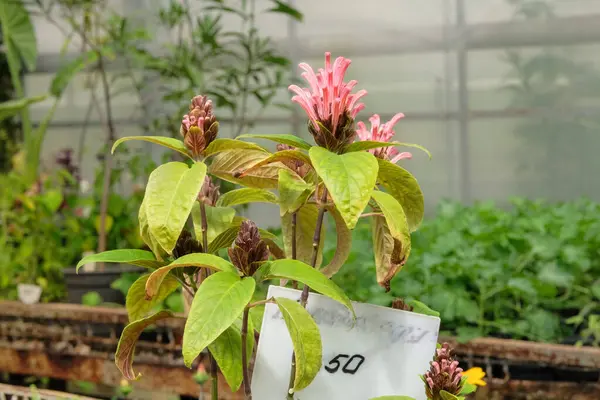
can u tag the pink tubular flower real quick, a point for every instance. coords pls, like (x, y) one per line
(382, 133)
(329, 103)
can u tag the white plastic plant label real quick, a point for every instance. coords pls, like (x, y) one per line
(383, 354)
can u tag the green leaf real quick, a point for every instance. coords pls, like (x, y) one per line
(467, 388)
(283, 157)
(219, 301)
(290, 140)
(228, 166)
(421, 308)
(92, 299)
(246, 195)
(306, 222)
(306, 340)
(343, 245)
(596, 289)
(393, 398)
(128, 340)
(145, 233)
(298, 271)
(19, 32)
(13, 107)
(171, 143)
(227, 351)
(52, 200)
(404, 187)
(171, 192)
(256, 314)
(293, 193)
(66, 72)
(136, 303)
(371, 144)
(140, 258)
(449, 396)
(219, 219)
(282, 7)
(350, 179)
(220, 145)
(200, 260)
(391, 238)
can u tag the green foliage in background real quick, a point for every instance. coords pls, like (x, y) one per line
(529, 272)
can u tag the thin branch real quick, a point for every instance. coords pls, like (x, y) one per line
(260, 303)
(246, 375)
(305, 291)
(373, 214)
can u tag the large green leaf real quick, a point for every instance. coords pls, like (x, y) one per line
(146, 235)
(18, 30)
(227, 351)
(171, 192)
(220, 145)
(293, 192)
(171, 143)
(200, 260)
(136, 303)
(342, 247)
(371, 144)
(128, 340)
(140, 258)
(246, 195)
(218, 219)
(306, 222)
(290, 140)
(350, 179)
(404, 187)
(298, 271)
(219, 301)
(306, 340)
(229, 165)
(391, 238)
(13, 107)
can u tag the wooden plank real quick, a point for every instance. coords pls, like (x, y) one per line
(529, 352)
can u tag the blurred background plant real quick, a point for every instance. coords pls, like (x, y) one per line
(528, 272)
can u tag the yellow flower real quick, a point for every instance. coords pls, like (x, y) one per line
(475, 376)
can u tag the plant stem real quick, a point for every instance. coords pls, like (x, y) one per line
(213, 362)
(204, 223)
(214, 393)
(294, 244)
(305, 291)
(247, 389)
(316, 241)
(110, 138)
(260, 303)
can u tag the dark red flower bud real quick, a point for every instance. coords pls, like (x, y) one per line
(399, 304)
(444, 374)
(249, 250)
(186, 244)
(209, 194)
(199, 127)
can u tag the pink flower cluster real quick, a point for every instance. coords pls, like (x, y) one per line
(329, 97)
(382, 133)
(329, 103)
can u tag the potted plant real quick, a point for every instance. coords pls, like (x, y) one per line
(197, 242)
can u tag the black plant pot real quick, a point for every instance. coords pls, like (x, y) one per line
(78, 284)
